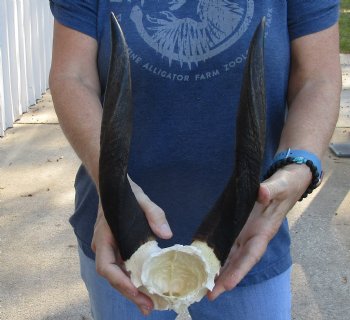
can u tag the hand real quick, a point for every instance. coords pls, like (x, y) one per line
(277, 195)
(108, 260)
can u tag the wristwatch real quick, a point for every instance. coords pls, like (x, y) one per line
(298, 157)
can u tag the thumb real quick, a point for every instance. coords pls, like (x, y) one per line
(271, 189)
(155, 215)
(264, 195)
(292, 178)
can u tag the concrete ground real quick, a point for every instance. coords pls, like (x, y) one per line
(39, 273)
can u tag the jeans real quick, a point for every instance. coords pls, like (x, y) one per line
(268, 300)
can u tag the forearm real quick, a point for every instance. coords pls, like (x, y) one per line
(312, 116)
(313, 92)
(313, 103)
(79, 112)
(75, 89)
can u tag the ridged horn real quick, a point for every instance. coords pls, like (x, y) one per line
(123, 214)
(226, 219)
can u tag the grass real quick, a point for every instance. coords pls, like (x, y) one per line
(344, 23)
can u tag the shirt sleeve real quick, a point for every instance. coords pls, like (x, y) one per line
(80, 15)
(310, 16)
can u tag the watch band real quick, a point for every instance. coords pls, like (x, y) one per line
(299, 157)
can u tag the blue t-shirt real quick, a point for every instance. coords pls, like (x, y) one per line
(187, 59)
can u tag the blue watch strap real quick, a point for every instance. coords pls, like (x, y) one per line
(300, 157)
(291, 156)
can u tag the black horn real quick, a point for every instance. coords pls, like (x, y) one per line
(123, 214)
(226, 219)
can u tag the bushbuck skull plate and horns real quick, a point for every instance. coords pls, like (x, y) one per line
(178, 276)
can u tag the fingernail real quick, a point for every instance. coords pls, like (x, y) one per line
(211, 296)
(165, 230)
(145, 310)
(215, 293)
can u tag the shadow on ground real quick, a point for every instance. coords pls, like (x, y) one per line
(320, 229)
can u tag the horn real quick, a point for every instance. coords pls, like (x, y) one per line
(178, 276)
(226, 219)
(123, 213)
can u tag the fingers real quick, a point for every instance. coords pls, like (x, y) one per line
(154, 214)
(275, 198)
(107, 267)
(242, 258)
(251, 244)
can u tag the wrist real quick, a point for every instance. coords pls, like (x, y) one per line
(291, 158)
(301, 172)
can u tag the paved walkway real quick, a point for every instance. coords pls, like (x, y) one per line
(38, 262)
(320, 228)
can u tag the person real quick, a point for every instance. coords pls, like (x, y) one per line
(187, 60)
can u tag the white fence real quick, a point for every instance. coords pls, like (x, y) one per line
(25, 56)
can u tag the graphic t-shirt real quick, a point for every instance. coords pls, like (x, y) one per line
(187, 59)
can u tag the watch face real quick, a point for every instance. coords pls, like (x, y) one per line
(299, 160)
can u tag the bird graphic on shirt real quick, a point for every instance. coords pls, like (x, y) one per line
(189, 39)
